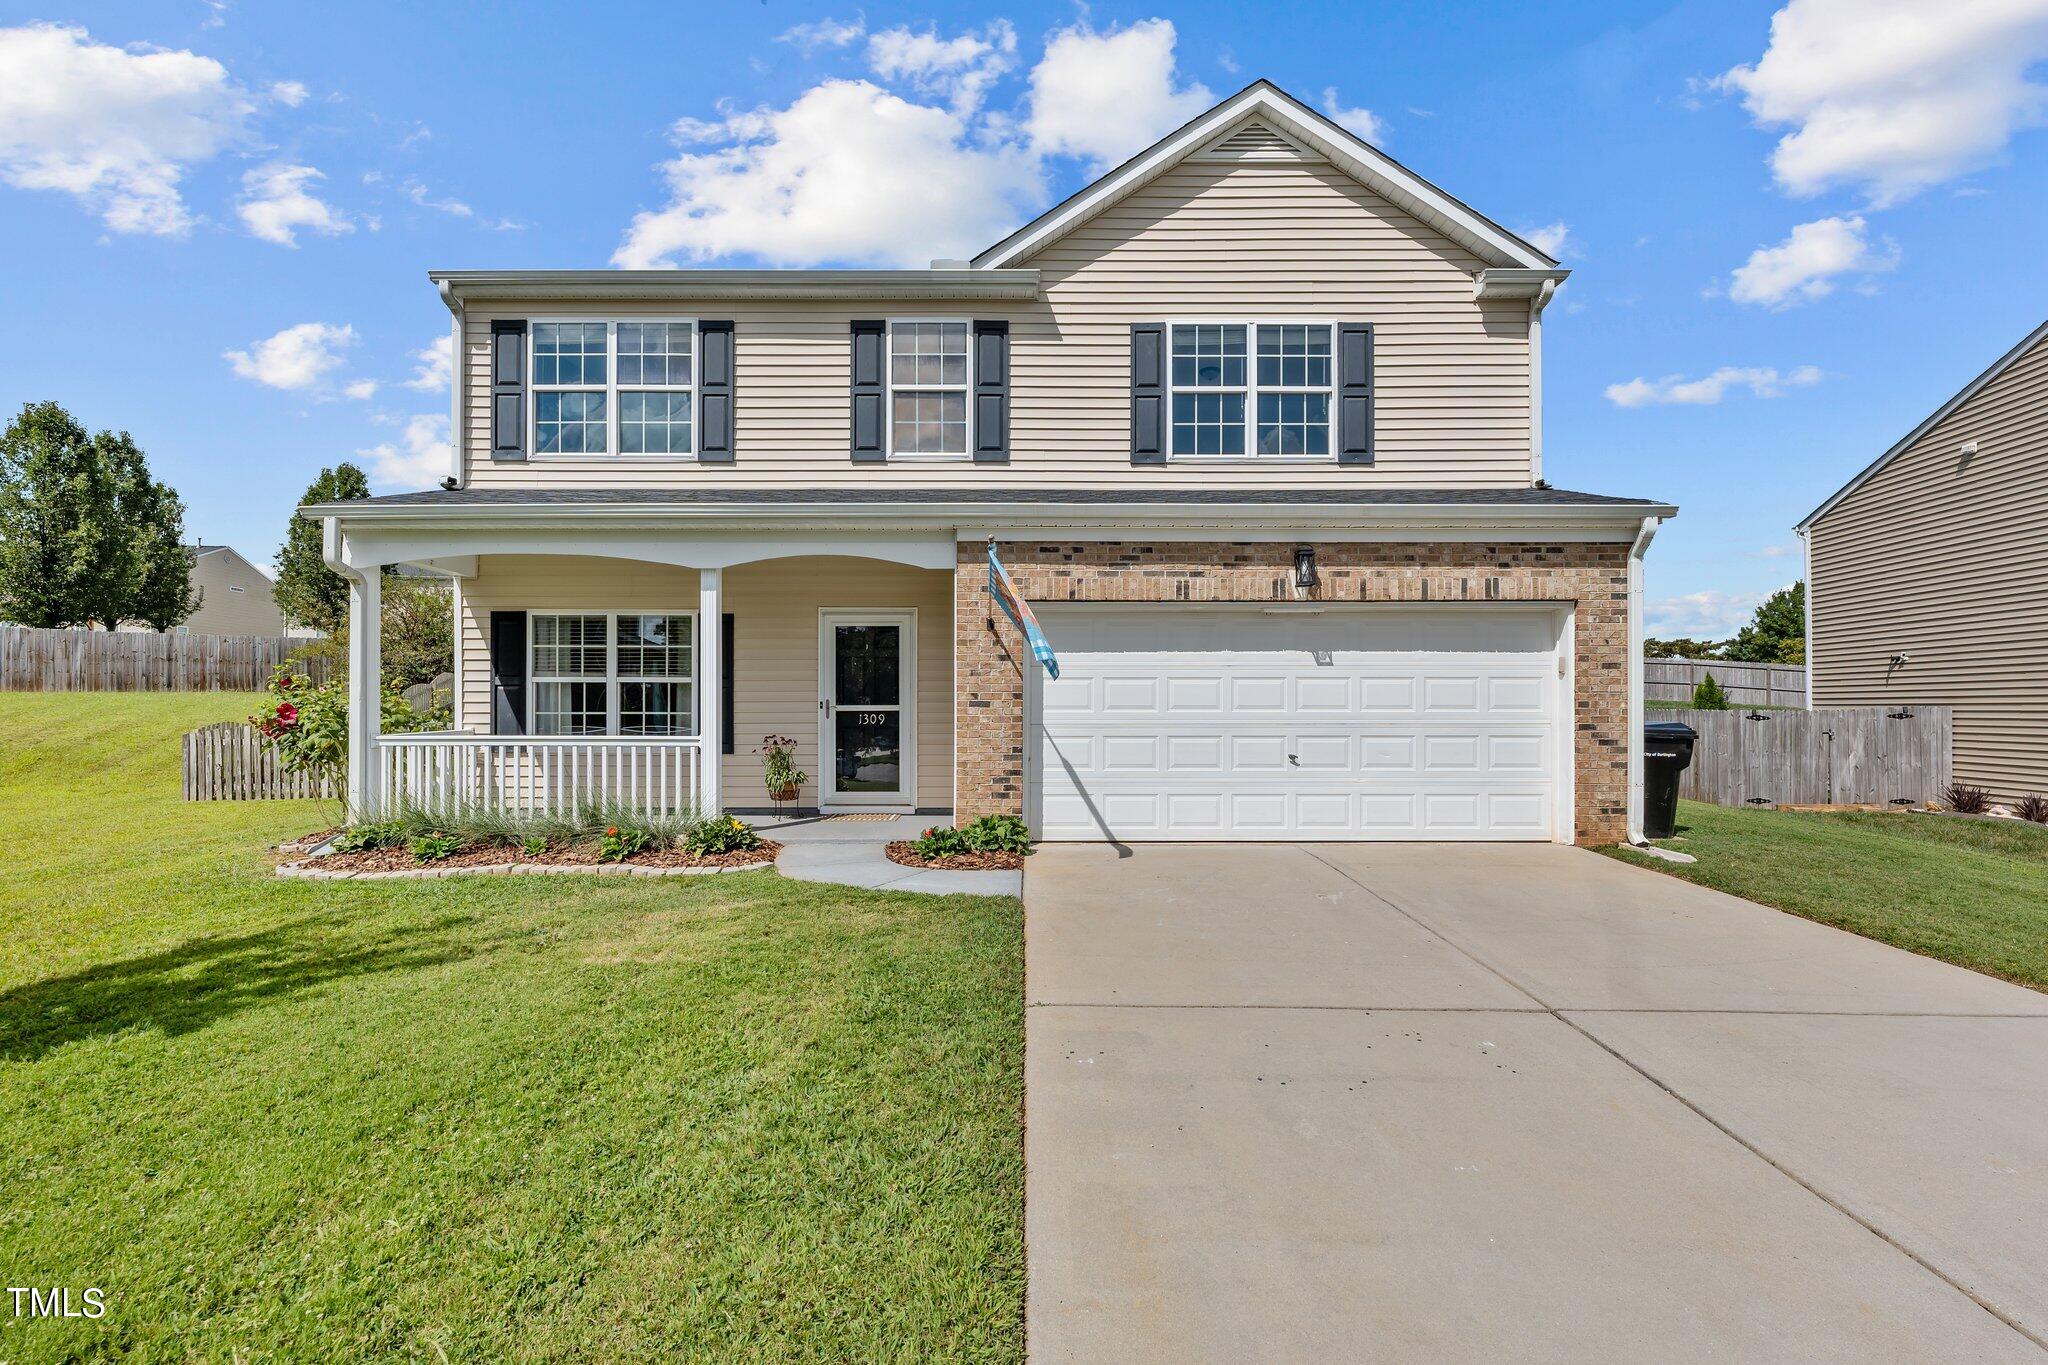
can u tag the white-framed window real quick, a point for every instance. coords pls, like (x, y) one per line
(929, 373)
(612, 673)
(613, 388)
(1251, 389)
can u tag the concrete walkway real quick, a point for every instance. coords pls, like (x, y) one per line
(1407, 1102)
(850, 852)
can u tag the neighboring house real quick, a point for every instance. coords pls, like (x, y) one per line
(235, 597)
(1927, 575)
(1254, 422)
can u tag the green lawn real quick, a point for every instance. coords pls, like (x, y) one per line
(1971, 892)
(723, 1118)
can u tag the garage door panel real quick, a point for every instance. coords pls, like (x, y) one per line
(1187, 724)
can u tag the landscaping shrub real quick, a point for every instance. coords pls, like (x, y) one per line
(307, 726)
(432, 848)
(1964, 799)
(989, 834)
(375, 834)
(1708, 696)
(720, 834)
(2034, 808)
(533, 845)
(616, 845)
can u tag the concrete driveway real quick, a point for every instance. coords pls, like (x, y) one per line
(1410, 1102)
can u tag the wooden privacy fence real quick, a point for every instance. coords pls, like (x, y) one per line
(227, 762)
(1851, 755)
(140, 661)
(1745, 684)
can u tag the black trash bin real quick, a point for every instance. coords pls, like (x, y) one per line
(1667, 752)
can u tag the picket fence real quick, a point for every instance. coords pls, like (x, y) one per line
(1850, 755)
(141, 661)
(227, 762)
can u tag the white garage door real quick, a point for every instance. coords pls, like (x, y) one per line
(1176, 722)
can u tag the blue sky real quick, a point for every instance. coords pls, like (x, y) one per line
(217, 213)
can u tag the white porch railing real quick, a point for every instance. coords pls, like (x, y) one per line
(555, 775)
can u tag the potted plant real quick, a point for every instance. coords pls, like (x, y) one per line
(784, 780)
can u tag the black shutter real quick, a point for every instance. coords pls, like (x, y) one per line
(1354, 393)
(508, 672)
(1148, 393)
(725, 675)
(714, 393)
(508, 388)
(991, 392)
(868, 339)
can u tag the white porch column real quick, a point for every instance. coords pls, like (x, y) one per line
(710, 679)
(365, 690)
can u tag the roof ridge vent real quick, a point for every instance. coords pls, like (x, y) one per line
(1252, 140)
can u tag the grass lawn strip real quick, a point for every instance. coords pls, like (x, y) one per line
(731, 1118)
(1971, 892)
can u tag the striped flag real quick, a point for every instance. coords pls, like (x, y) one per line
(1017, 609)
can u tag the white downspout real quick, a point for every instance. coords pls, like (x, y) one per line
(1805, 534)
(1537, 302)
(365, 672)
(458, 373)
(1644, 536)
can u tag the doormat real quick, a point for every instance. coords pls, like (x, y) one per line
(865, 818)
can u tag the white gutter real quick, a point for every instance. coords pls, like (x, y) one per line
(1537, 303)
(1644, 536)
(457, 374)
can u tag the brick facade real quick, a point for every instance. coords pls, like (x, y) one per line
(989, 652)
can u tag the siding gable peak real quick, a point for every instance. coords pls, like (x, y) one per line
(1253, 140)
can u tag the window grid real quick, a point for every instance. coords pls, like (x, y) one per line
(614, 388)
(613, 673)
(1273, 403)
(929, 375)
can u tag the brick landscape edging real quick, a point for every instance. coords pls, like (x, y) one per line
(312, 873)
(988, 701)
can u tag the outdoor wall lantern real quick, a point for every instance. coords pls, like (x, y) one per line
(1304, 566)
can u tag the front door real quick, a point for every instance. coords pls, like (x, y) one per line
(867, 685)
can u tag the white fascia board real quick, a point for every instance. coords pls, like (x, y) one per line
(1969, 391)
(601, 285)
(1344, 149)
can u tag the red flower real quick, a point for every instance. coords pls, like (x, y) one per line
(613, 831)
(287, 714)
(284, 682)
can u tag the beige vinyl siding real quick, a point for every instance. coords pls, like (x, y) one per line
(1945, 558)
(775, 607)
(217, 574)
(1261, 239)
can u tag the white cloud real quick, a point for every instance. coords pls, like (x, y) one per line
(1777, 551)
(1707, 615)
(419, 194)
(1803, 267)
(1894, 95)
(117, 129)
(291, 94)
(1762, 381)
(296, 358)
(418, 459)
(361, 388)
(433, 365)
(1552, 239)
(1364, 122)
(849, 172)
(808, 38)
(959, 70)
(1104, 95)
(276, 203)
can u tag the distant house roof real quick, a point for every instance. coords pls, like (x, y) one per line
(1969, 391)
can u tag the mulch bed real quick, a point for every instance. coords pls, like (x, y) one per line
(905, 852)
(400, 859)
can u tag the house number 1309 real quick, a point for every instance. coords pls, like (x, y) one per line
(873, 717)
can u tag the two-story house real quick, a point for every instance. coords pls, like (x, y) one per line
(1253, 422)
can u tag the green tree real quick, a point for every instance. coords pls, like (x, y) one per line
(1708, 696)
(419, 630)
(86, 536)
(308, 592)
(1776, 634)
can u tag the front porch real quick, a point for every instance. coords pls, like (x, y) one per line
(591, 680)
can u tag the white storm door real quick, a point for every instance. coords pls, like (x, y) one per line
(867, 722)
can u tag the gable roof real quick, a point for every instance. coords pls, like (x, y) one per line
(1287, 124)
(1905, 443)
